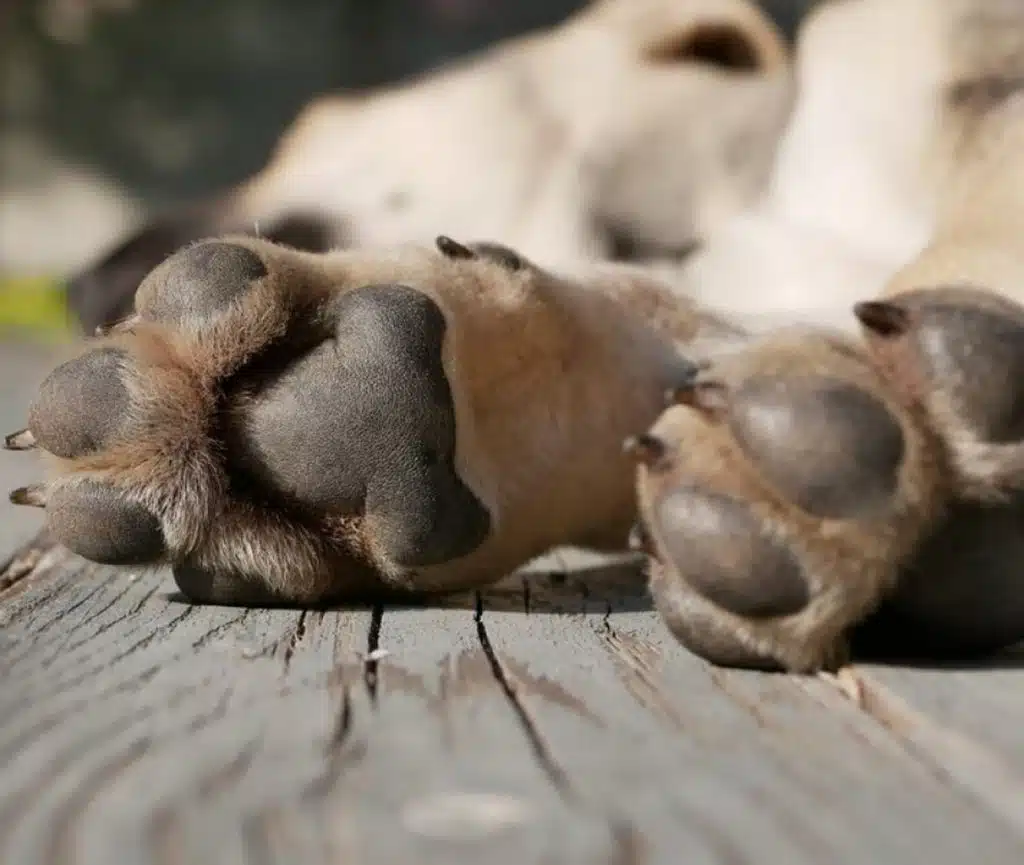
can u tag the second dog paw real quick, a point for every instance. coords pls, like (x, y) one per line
(779, 498)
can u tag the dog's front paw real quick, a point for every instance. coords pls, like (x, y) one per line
(263, 424)
(779, 499)
(285, 426)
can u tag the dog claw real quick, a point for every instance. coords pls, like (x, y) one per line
(645, 448)
(118, 326)
(23, 440)
(33, 496)
(883, 318)
(452, 248)
(639, 540)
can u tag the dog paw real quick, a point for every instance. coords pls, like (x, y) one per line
(284, 426)
(779, 496)
(270, 427)
(959, 351)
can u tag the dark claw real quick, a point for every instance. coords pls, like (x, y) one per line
(118, 326)
(33, 496)
(646, 449)
(882, 318)
(23, 440)
(639, 540)
(453, 249)
(500, 254)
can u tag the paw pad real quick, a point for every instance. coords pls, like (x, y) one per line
(780, 496)
(98, 523)
(265, 426)
(198, 283)
(831, 448)
(81, 405)
(730, 560)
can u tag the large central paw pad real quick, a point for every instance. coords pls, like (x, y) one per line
(364, 423)
(269, 428)
(778, 498)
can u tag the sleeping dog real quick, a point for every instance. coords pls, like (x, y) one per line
(631, 131)
(287, 426)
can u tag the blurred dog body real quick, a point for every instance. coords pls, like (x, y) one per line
(632, 131)
(888, 92)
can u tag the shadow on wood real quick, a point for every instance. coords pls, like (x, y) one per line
(557, 584)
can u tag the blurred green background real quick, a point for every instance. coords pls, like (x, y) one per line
(110, 109)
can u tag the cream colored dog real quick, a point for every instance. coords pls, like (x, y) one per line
(631, 131)
(287, 426)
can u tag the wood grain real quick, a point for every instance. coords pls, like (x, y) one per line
(137, 728)
(747, 767)
(548, 720)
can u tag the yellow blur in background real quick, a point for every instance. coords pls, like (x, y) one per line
(34, 307)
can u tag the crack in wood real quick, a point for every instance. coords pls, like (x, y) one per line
(339, 751)
(370, 675)
(19, 567)
(627, 846)
(633, 666)
(296, 637)
(67, 646)
(221, 629)
(40, 630)
(42, 599)
(507, 684)
(153, 633)
(159, 632)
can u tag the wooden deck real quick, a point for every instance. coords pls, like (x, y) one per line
(549, 720)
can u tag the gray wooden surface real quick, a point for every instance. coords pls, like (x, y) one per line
(550, 719)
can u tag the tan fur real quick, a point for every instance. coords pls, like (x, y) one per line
(549, 374)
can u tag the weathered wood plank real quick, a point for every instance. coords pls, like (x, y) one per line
(969, 720)
(135, 728)
(984, 702)
(731, 766)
